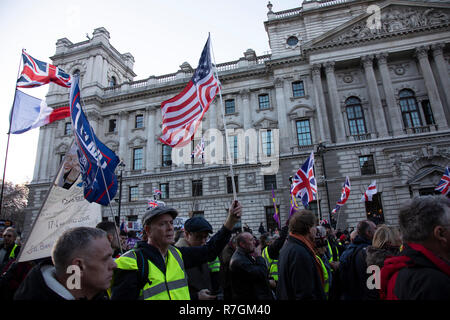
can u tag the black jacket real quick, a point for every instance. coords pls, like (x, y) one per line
(34, 287)
(298, 278)
(249, 277)
(126, 282)
(415, 274)
(353, 270)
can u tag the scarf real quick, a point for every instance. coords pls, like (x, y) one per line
(310, 246)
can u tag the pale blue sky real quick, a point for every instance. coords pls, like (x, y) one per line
(161, 35)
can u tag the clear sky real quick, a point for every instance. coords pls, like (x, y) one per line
(161, 35)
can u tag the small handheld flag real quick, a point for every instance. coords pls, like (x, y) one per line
(304, 185)
(345, 193)
(444, 184)
(370, 192)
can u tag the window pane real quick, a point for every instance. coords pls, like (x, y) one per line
(197, 188)
(355, 116)
(367, 165)
(138, 159)
(264, 101)
(230, 185)
(267, 142)
(303, 133)
(229, 106)
(112, 125)
(139, 123)
(298, 89)
(134, 193)
(374, 209)
(67, 128)
(269, 181)
(164, 187)
(427, 112)
(166, 156)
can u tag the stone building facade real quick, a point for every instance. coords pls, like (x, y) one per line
(364, 84)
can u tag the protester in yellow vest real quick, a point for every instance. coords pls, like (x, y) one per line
(155, 269)
(9, 249)
(321, 245)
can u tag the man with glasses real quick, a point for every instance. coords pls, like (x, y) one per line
(9, 249)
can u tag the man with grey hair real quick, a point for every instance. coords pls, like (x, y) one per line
(422, 270)
(82, 269)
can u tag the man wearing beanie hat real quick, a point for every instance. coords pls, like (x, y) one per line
(156, 270)
(196, 232)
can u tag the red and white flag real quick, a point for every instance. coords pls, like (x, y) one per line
(182, 114)
(370, 192)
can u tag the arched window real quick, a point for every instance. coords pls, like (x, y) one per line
(410, 111)
(355, 116)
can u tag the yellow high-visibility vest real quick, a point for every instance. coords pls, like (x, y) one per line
(272, 264)
(214, 266)
(326, 287)
(172, 285)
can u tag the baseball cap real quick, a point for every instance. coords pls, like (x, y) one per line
(197, 224)
(153, 212)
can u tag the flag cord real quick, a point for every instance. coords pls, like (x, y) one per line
(9, 135)
(104, 181)
(224, 126)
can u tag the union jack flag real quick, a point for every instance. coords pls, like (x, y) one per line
(182, 114)
(199, 150)
(304, 185)
(36, 73)
(156, 192)
(344, 195)
(444, 185)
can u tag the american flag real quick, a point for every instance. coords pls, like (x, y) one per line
(304, 184)
(344, 195)
(370, 192)
(444, 185)
(182, 114)
(36, 73)
(199, 150)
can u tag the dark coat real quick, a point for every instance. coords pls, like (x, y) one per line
(249, 277)
(415, 274)
(126, 282)
(353, 270)
(298, 278)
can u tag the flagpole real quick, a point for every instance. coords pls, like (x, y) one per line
(7, 142)
(318, 201)
(224, 124)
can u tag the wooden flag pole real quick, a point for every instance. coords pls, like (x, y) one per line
(224, 126)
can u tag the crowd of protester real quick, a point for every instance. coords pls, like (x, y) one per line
(304, 260)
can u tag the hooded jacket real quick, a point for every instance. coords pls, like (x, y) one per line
(416, 274)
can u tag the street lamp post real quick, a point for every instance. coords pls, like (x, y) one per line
(121, 166)
(321, 149)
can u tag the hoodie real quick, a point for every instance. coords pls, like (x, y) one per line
(416, 274)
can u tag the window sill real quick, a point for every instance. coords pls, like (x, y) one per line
(261, 110)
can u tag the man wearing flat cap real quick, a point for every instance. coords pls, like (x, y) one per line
(196, 232)
(156, 270)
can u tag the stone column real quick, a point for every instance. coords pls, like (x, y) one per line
(430, 84)
(442, 69)
(151, 158)
(322, 116)
(285, 142)
(338, 120)
(247, 119)
(51, 161)
(89, 70)
(393, 108)
(123, 135)
(213, 112)
(374, 96)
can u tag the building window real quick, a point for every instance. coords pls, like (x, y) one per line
(134, 194)
(410, 112)
(138, 155)
(367, 165)
(374, 209)
(197, 188)
(229, 106)
(303, 133)
(270, 221)
(67, 128)
(230, 185)
(112, 125)
(298, 89)
(355, 116)
(427, 112)
(164, 187)
(112, 81)
(267, 142)
(139, 121)
(264, 102)
(428, 191)
(270, 181)
(166, 160)
(234, 148)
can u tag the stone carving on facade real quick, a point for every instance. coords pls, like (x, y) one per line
(179, 186)
(148, 189)
(213, 183)
(394, 20)
(250, 178)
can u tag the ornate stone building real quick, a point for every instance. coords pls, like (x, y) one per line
(364, 84)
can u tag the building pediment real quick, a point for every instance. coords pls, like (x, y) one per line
(396, 18)
(266, 123)
(427, 176)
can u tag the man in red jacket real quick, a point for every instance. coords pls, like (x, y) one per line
(422, 270)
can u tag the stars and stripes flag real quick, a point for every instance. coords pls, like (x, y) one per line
(199, 150)
(182, 114)
(97, 161)
(36, 73)
(344, 195)
(444, 184)
(370, 192)
(304, 185)
(276, 215)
